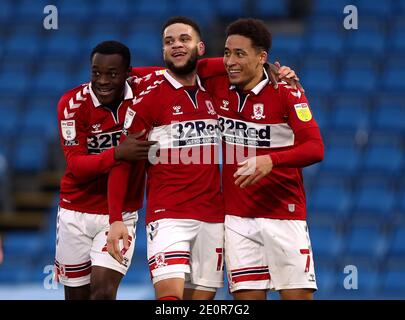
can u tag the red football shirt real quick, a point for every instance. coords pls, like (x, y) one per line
(88, 134)
(266, 121)
(182, 182)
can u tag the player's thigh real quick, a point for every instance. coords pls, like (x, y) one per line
(289, 254)
(99, 254)
(207, 257)
(245, 258)
(168, 247)
(73, 245)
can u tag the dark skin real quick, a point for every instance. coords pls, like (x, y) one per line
(108, 76)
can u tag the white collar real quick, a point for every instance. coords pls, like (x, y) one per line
(128, 94)
(178, 85)
(259, 87)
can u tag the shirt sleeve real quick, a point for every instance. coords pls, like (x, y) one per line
(211, 67)
(118, 181)
(73, 138)
(137, 118)
(144, 71)
(308, 146)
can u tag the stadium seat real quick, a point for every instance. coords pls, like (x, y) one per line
(330, 8)
(341, 159)
(366, 42)
(393, 78)
(359, 79)
(24, 244)
(230, 8)
(264, 8)
(30, 154)
(331, 200)
(393, 282)
(397, 243)
(374, 8)
(6, 8)
(200, 11)
(51, 81)
(41, 118)
(326, 241)
(373, 202)
(365, 242)
(351, 117)
(75, 11)
(372, 159)
(157, 10)
(322, 41)
(318, 80)
(397, 42)
(65, 45)
(23, 45)
(15, 82)
(105, 8)
(9, 116)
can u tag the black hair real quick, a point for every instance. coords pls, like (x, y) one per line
(184, 20)
(253, 29)
(113, 47)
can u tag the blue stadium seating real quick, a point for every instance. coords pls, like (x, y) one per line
(266, 9)
(323, 41)
(15, 82)
(353, 81)
(342, 159)
(318, 80)
(374, 8)
(359, 79)
(393, 282)
(326, 241)
(365, 241)
(331, 8)
(230, 8)
(373, 202)
(397, 244)
(366, 42)
(30, 154)
(330, 199)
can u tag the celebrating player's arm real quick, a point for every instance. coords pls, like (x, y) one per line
(73, 138)
(213, 67)
(136, 130)
(307, 150)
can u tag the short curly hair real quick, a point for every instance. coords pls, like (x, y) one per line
(183, 20)
(253, 29)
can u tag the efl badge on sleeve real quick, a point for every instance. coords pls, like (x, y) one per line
(68, 129)
(129, 117)
(303, 112)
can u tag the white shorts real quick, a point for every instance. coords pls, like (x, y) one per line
(81, 242)
(189, 249)
(263, 253)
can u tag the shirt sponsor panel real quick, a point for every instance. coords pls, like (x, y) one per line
(259, 135)
(103, 141)
(190, 133)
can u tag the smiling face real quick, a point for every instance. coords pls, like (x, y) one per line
(108, 76)
(243, 62)
(181, 48)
